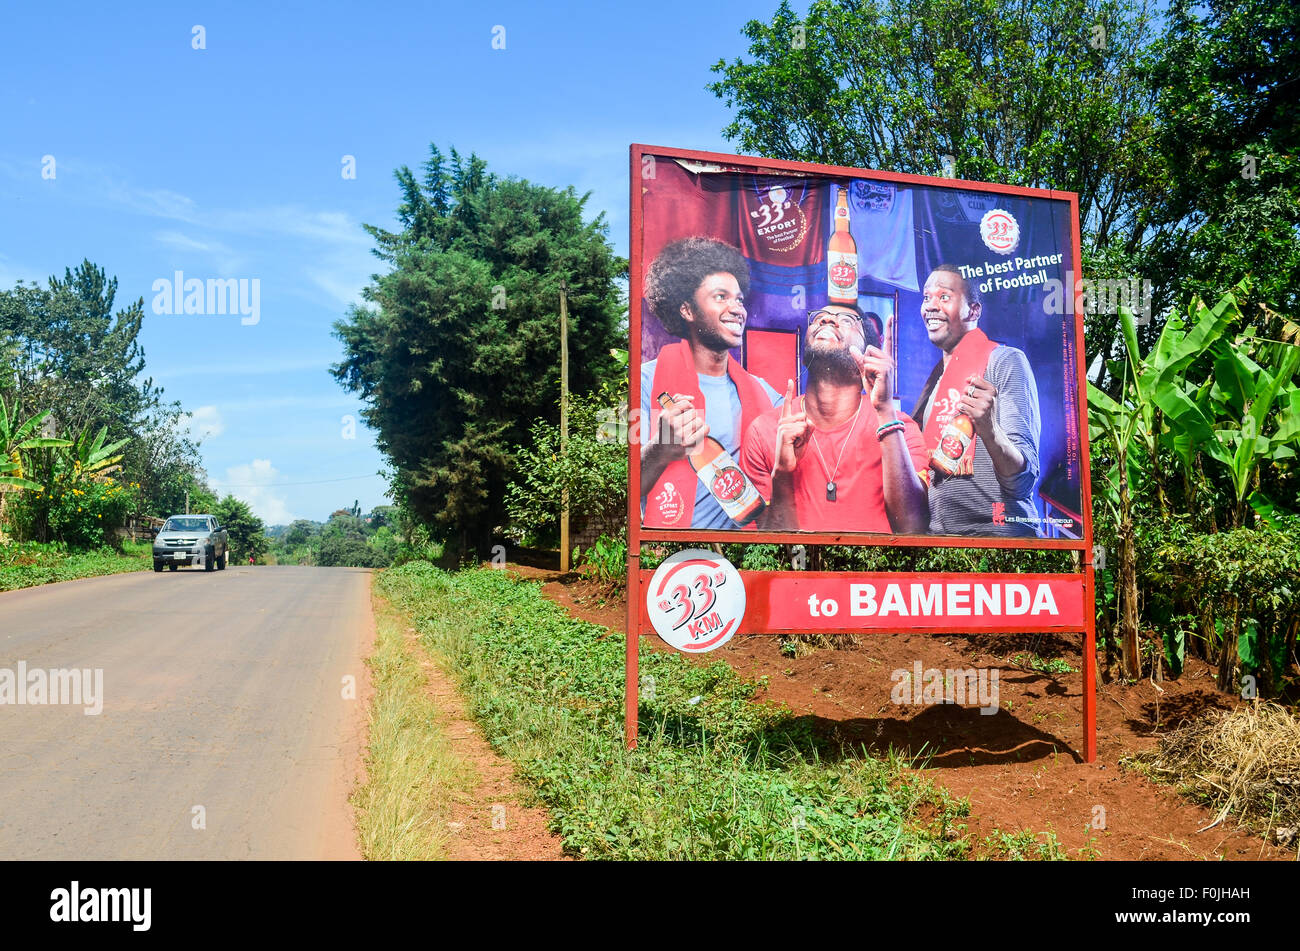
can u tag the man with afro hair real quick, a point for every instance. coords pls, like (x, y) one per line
(696, 288)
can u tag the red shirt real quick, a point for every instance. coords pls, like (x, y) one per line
(859, 504)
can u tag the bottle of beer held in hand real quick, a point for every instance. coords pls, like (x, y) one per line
(722, 477)
(842, 256)
(953, 440)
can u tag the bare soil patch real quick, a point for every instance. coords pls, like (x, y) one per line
(1018, 767)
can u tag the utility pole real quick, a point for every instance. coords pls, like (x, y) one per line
(187, 501)
(564, 418)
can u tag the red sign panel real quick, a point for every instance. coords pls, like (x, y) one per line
(835, 602)
(961, 603)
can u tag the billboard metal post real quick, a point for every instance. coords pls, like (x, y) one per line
(564, 418)
(632, 641)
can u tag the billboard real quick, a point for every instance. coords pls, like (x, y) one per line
(828, 353)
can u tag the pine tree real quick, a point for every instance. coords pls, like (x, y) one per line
(457, 350)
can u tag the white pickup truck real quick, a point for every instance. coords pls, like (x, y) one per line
(191, 540)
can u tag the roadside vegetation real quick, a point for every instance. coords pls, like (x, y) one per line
(715, 775)
(88, 445)
(33, 563)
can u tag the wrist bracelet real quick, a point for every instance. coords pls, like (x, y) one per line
(890, 427)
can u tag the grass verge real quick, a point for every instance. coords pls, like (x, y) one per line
(715, 775)
(28, 565)
(412, 773)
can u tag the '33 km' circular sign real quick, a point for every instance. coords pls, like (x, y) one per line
(695, 600)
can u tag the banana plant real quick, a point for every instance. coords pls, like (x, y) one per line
(1241, 400)
(91, 458)
(16, 438)
(1154, 394)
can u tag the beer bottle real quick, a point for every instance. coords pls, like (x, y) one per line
(725, 481)
(953, 440)
(842, 256)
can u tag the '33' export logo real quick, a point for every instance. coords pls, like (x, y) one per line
(695, 600)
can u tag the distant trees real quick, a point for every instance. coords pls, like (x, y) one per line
(247, 532)
(456, 351)
(350, 551)
(299, 533)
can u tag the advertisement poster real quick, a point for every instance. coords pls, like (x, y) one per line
(843, 353)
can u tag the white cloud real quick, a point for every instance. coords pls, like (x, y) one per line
(228, 260)
(206, 421)
(344, 274)
(254, 483)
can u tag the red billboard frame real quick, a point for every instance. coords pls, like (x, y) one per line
(637, 622)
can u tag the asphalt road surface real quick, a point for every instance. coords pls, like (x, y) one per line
(224, 731)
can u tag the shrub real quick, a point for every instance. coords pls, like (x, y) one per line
(81, 513)
(350, 553)
(592, 470)
(1241, 587)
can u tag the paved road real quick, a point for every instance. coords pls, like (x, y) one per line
(221, 690)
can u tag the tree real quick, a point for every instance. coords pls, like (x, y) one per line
(73, 353)
(1129, 431)
(1151, 122)
(1228, 131)
(342, 524)
(165, 463)
(591, 469)
(67, 348)
(299, 533)
(457, 349)
(351, 552)
(382, 515)
(246, 531)
(1022, 92)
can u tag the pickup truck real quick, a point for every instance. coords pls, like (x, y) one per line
(191, 540)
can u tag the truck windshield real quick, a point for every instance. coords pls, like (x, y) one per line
(186, 525)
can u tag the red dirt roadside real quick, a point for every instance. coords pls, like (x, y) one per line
(1017, 767)
(491, 822)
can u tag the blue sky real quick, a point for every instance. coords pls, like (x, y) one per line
(226, 163)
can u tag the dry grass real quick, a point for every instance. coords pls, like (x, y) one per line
(412, 773)
(801, 645)
(1244, 763)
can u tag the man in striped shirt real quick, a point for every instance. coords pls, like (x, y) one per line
(994, 387)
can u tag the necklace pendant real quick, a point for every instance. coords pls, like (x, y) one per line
(830, 491)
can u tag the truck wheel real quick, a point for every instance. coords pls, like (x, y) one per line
(172, 567)
(221, 562)
(209, 560)
(157, 566)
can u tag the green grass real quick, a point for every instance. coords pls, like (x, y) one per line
(29, 564)
(1024, 846)
(714, 776)
(1044, 665)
